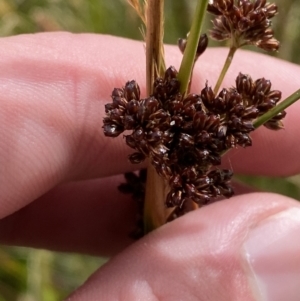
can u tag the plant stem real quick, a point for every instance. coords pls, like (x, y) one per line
(226, 66)
(279, 108)
(154, 208)
(154, 42)
(187, 63)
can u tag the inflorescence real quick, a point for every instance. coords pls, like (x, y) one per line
(185, 137)
(244, 22)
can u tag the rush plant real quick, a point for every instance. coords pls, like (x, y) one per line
(184, 135)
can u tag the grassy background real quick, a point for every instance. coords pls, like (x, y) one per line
(40, 275)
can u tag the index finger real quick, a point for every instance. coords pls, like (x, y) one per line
(53, 89)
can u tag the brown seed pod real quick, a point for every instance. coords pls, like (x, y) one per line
(132, 91)
(136, 158)
(202, 45)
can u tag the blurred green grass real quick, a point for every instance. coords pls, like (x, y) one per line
(40, 275)
(117, 18)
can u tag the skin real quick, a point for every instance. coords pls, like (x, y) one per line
(59, 173)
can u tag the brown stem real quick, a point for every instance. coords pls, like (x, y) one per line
(154, 41)
(155, 212)
(156, 187)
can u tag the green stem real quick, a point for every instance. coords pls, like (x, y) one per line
(226, 66)
(187, 63)
(279, 108)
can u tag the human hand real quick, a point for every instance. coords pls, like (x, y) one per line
(59, 175)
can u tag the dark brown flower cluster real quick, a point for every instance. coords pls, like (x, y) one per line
(247, 22)
(185, 137)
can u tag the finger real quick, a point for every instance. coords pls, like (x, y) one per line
(52, 95)
(90, 217)
(93, 215)
(246, 248)
(53, 88)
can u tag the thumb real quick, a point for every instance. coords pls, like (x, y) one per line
(246, 248)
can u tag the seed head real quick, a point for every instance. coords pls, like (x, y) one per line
(247, 22)
(184, 137)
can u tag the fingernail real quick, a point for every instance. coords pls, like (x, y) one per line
(273, 253)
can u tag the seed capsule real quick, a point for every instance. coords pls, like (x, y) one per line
(112, 130)
(132, 90)
(136, 158)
